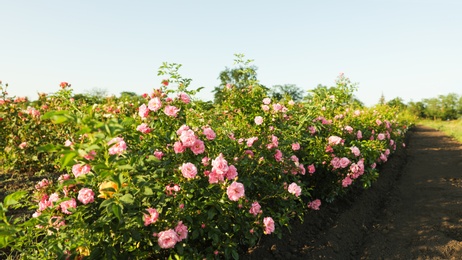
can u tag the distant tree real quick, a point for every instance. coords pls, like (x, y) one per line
(417, 108)
(382, 100)
(97, 92)
(397, 102)
(449, 106)
(242, 76)
(278, 92)
(433, 108)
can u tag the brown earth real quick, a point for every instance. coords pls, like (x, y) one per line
(413, 211)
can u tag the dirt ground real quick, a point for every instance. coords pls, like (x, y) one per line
(414, 211)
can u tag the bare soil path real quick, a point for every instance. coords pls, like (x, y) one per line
(414, 211)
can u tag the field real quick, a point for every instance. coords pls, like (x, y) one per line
(165, 176)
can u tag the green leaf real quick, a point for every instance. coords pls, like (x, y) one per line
(148, 191)
(127, 199)
(117, 210)
(14, 198)
(67, 157)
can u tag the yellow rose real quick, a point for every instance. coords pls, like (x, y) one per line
(103, 189)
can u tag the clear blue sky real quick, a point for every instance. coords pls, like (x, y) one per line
(406, 48)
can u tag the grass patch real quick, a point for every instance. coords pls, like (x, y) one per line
(452, 128)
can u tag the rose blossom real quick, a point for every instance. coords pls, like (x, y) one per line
(251, 140)
(188, 170)
(143, 111)
(79, 169)
(171, 111)
(355, 151)
(181, 129)
(315, 204)
(158, 154)
(198, 147)
(278, 155)
(232, 172)
(68, 204)
(143, 128)
(188, 138)
(184, 98)
(349, 129)
(119, 146)
(294, 189)
(295, 146)
(334, 140)
(178, 147)
(335, 162)
(344, 162)
(266, 101)
(381, 137)
(22, 145)
(255, 209)
(235, 191)
(86, 196)
(182, 231)
(347, 182)
(168, 238)
(258, 120)
(269, 225)
(150, 218)
(311, 168)
(209, 133)
(154, 104)
(359, 135)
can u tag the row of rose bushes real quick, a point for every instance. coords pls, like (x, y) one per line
(176, 178)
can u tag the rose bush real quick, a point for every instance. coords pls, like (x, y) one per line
(171, 177)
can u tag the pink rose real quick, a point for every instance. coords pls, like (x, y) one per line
(255, 209)
(266, 101)
(79, 169)
(150, 218)
(188, 170)
(335, 140)
(143, 128)
(349, 129)
(181, 129)
(86, 196)
(178, 147)
(251, 140)
(278, 155)
(184, 98)
(235, 191)
(118, 146)
(181, 230)
(158, 154)
(355, 151)
(188, 138)
(232, 172)
(344, 162)
(258, 120)
(294, 189)
(359, 135)
(311, 169)
(315, 204)
(143, 111)
(171, 111)
(65, 205)
(295, 146)
(209, 133)
(198, 147)
(381, 136)
(269, 225)
(347, 182)
(154, 104)
(168, 238)
(335, 162)
(220, 165)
